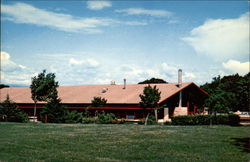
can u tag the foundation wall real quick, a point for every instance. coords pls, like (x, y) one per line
(178, 111)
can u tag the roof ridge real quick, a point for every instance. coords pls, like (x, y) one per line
(109, 85)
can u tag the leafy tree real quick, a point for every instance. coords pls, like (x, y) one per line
(150, 99)
(10, 113)
(210, 87)
(43, 88)
(153, 80)
(98, 102)
(217, 101)
(236, 85)
(243, 94)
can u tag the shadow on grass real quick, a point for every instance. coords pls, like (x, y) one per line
(243, 143)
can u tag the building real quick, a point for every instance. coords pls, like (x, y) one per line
(122, 100)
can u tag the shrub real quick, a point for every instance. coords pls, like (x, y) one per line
(191, 120)
(105, 118)
(202, 119)
(234, 119)
(88, 120)
(73, 117)
(168, 123)
(182, 120)
(151, 120)
(19, 117)
(230, 119)
(118, 121)
(141, 121)
(220, 119)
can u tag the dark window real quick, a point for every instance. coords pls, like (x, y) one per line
(130, 116)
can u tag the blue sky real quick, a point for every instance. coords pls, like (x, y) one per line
(94, 42)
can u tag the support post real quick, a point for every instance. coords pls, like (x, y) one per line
(180, 99)
(166, 114)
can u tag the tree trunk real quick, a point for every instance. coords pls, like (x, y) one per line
(146, 120)
(210, 120)
(215, 117)
(34, 112)
(46, 118)
(144, 110)
(156, 115)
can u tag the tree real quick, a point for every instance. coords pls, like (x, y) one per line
(3, 86)
(232, 84)
(55, 111)
(150, 99)
(43, 88)
(153, 80)
(9, 112)
(217, 102)
(210, 87)
(98, 102)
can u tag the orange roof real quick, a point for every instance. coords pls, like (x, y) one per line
(115, 94)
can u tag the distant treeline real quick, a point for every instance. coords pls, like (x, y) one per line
(3, 86)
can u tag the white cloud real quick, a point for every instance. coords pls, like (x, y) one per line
(169, 68)
(136, 74)
(7, 65)
(98, 4)
(16, 78)
(142, 11)
(4, 56)
(237, 67)
(79, 71)
(13, 73)
(102, 81)
(28, 14)
(134, 23)
(171, 73)
(189, 76)
(25, 13)
(86, 62)
(173, 21)
(222, 39)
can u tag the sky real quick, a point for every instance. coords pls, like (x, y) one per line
(95, 42)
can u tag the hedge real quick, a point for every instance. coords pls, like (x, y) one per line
(230, 119)
(103, 118)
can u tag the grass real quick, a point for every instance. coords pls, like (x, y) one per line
(81, 142)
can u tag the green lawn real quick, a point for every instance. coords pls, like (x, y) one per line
(81, 142)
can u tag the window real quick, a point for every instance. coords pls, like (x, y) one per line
(130, 116)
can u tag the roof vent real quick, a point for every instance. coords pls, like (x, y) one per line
(104, 90)
(124, 83)
(112, 82)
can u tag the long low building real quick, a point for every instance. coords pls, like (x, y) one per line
(122, 100)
